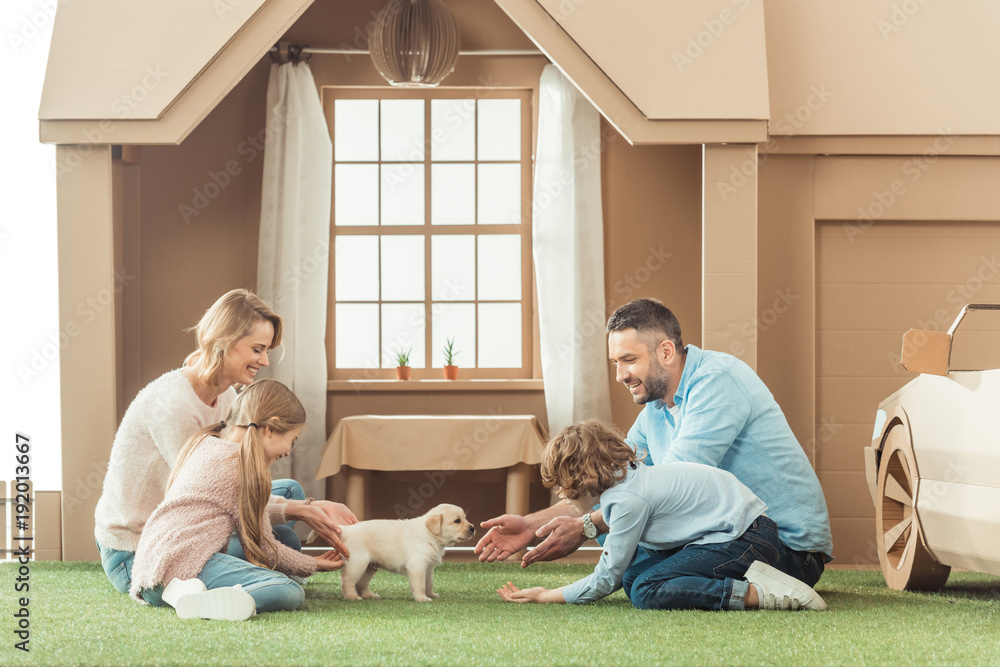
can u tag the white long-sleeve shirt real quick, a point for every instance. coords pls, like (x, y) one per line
(161, 418)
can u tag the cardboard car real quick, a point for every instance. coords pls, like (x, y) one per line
(933, 467)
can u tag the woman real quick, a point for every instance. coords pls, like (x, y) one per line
(233, 337)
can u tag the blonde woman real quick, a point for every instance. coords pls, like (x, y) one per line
(233, 337)
(221, 483)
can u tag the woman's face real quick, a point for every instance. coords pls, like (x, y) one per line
(278, 445)
(247, 355)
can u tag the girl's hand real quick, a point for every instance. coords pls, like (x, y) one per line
(325, 518)
(328, 562)
(511, 593)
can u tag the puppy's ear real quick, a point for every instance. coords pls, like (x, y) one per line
(434, 522)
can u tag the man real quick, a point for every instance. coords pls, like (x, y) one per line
(700, 407)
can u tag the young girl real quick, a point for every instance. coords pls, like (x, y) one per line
(221, 483)
(708, 541)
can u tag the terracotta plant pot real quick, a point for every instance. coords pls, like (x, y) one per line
(403, 372)
(451, 372)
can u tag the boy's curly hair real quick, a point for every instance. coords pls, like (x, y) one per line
(585, 459)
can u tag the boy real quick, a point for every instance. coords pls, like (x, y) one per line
(708, 541)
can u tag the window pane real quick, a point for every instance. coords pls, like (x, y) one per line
(499, 335)
(402, 268)
(453, 125)
(402, 194)
(355, 266)
(355, 194)
(499, 194)
(357, 335)
(458, 321)
(453, 267)
(499, 267)
(355, 130)
(403, 329)
(453, 194)
(402, 130)
(499, 135)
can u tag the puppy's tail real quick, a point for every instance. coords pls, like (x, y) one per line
(311, 537)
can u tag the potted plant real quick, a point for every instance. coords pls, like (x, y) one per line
(403, 365)
(450, 369)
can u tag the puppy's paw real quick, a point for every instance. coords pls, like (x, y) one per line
(368, 595)
(434, 595)
(352, 597)
(422, 598)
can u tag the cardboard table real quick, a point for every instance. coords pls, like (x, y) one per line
(417, 442)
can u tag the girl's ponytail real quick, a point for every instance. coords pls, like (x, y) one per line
(255, 491)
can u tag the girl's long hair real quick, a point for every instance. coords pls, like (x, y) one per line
(230, 318)
(269, 403)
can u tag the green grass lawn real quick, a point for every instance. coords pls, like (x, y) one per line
(78, 619)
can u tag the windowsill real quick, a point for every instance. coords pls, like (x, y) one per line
(358, 386)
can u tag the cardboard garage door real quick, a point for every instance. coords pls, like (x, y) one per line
(872, 284)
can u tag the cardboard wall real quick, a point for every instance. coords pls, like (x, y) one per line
(199, 206)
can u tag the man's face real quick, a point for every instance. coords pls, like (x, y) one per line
(637, 367)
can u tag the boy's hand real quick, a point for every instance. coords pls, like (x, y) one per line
(511, 593)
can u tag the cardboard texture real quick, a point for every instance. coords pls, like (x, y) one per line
(930, 351)
(933, 472)
(434, 443)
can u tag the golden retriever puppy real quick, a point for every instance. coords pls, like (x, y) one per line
(411, 547)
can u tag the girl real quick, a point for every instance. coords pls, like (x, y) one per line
(219, 484)
(233, 338)
(708, 541)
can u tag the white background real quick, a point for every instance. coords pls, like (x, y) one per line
(28, 265)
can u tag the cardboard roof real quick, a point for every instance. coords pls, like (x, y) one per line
(128, 72)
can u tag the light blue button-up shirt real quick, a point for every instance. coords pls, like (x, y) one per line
(665, 507)
(727, 418)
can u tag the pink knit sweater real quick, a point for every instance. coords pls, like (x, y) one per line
(195, 520)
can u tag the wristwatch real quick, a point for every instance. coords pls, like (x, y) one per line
(589, 529)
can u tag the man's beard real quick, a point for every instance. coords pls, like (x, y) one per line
(656, 384)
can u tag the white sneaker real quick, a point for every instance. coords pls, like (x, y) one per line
(218, 604)
(777, 590)
(178, 588)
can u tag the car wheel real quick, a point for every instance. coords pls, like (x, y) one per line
(906, 563)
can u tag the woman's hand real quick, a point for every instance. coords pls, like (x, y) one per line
(325, 518)
(511, 593)
(329, 561)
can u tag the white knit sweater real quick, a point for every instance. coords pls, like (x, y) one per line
(196, 518)
(154, 429)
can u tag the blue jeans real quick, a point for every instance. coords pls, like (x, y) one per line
(271, 591)
(288, 489)
(702, 576)
(118, 564)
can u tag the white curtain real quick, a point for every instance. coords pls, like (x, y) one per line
(568, 249)
(293, 255)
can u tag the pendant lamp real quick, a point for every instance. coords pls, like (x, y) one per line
(414, 43)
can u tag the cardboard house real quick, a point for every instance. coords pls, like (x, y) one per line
(799, 182)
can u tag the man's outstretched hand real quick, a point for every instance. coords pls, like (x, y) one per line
(563, 535)
(507, 535)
